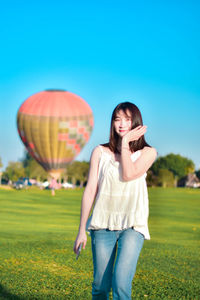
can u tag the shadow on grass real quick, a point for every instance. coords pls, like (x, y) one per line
(5, 294)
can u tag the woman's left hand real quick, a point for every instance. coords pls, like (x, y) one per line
(134, 134)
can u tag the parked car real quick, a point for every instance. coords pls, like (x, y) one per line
(67, 185)
(19, 184)
(26, 181)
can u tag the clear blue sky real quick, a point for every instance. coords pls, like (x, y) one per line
(147, 52)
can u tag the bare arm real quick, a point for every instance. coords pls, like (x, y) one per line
(132, 170)
(88, 198)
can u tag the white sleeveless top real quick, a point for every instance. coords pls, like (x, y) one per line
(119, 204)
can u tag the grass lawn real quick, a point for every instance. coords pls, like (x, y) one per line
(37, 233)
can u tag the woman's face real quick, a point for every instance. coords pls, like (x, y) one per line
(122, 123)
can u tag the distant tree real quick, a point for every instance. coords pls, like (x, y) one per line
(180, 166)
(165, 178)
(151, 179)
(78, 172)
(198, 173)
(32, 168)
(14, 171)
(26, 159)
(1, 165)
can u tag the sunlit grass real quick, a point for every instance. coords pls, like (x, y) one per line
(37, 233)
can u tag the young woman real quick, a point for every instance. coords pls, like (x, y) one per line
(119, 221)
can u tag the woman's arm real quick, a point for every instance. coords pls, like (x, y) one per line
(132, 170)
(88, 198)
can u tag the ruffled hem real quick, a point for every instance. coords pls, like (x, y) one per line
(117, 221)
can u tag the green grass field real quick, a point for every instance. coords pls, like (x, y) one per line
(37, 233)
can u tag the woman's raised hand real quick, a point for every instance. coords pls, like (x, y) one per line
(134, 134)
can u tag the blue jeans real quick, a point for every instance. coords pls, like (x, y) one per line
(115, 256)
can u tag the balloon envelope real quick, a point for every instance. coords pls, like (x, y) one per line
(54, 126)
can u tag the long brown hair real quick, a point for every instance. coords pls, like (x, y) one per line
(136, 118)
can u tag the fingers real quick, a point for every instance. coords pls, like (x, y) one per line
(140, 127)
(140, 130)
(78, 243)
(75, 249)
(135, 133)
(84, 244)
(76, 246)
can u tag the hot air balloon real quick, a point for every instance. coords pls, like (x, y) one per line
(54, 126)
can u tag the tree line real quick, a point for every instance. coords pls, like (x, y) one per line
(166, 171)
(75, 172)
(169, 170)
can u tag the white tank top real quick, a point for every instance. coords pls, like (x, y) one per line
(119, 204)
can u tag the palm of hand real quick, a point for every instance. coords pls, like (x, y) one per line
(135, 134)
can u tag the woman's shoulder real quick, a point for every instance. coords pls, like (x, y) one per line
(102, 148)
(99, 149)
(105, 147)
(95, 156)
